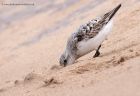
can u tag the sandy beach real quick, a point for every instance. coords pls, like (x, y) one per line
(32, 38)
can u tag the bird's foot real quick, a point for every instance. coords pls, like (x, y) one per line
(96, 54)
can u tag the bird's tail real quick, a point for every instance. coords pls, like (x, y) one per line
(108, 16)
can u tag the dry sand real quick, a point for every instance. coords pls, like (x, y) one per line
(32, 39)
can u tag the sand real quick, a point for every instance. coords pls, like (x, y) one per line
(32, 39)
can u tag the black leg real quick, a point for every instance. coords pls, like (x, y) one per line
(97, 52)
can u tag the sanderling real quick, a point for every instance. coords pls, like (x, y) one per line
(88, 37)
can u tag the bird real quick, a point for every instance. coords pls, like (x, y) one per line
(88, 37)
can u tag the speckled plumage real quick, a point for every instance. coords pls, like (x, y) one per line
(88, 37)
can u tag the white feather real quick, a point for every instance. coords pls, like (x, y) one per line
(85, 47)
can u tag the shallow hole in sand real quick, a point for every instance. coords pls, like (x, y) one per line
(2, 90)
(52, 81)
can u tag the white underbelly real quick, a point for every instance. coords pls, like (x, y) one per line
(85, 47)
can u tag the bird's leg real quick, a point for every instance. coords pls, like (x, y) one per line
(97, 52)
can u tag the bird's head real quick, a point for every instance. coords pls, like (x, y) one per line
(66, 59)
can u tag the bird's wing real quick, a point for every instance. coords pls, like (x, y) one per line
(93, 27)
(90, 29)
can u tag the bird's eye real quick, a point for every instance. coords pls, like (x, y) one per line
(65, 61)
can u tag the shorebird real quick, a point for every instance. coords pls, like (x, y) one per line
(88, 37)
